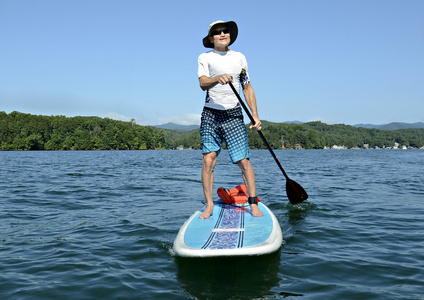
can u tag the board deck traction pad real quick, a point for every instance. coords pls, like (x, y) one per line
(230, 231)
(229, 228)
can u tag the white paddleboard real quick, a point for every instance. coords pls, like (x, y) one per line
(230, 231)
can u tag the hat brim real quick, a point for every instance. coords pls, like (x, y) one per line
(233, 33)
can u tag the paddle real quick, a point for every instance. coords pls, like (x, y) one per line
(295, 192)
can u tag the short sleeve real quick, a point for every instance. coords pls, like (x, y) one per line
(203, 68)
(244, 74)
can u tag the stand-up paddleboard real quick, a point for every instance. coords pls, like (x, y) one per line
(230, 231)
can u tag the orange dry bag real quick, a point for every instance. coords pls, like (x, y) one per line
(236, 195)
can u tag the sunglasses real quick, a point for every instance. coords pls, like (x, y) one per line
(218, 32)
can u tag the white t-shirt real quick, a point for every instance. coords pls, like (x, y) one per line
(215, 63)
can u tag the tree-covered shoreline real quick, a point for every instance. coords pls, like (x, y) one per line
(21, 131)
(318, 135)
(312, 135)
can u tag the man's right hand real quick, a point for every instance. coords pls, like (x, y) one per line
(206, 83)
(224, 78)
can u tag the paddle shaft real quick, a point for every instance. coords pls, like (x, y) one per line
(259, 131)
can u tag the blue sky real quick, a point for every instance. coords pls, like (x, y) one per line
(338, 61)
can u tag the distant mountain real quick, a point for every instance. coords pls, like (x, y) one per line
(294, 122)
(266, 123)
(174, 126)
(392, 126)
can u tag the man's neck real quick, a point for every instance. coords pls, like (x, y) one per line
(221, 49)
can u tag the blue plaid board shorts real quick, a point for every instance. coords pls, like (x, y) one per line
(224, 125)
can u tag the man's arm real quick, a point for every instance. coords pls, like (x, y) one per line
(249, 95)
(206, 83)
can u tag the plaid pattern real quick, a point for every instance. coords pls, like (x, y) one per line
(224, 125)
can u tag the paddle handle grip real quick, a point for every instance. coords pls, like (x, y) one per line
(259, 131)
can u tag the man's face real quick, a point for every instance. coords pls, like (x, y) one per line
(220, 37)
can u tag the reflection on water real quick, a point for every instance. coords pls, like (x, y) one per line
(242, 277)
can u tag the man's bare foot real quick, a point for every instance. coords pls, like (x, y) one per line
(207, 212)
(256, 212)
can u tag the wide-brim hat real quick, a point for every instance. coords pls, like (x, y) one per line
(230, 24)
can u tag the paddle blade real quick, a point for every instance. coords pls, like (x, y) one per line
(295, 192)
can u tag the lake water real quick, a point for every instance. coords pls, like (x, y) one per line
(100, 225)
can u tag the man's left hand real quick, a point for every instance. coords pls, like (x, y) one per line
(257, 125)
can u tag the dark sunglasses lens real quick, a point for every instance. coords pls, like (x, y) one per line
(218, 32)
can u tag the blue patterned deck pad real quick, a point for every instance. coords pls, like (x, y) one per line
(228, 232)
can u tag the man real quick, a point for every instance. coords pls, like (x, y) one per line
(222, 116)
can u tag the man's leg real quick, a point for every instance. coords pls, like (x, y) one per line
(209, 162)
(249, 180)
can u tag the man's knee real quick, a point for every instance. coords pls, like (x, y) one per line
(209, 161)
(244, 164)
